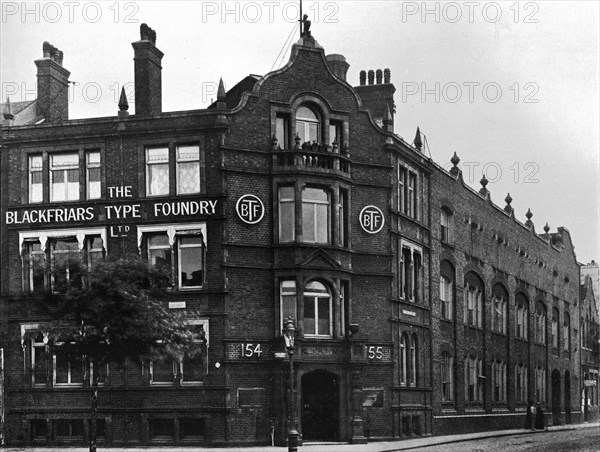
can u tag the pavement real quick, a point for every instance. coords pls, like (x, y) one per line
(379, 446)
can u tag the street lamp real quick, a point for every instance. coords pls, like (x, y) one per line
(289, 333)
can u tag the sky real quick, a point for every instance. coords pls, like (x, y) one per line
(511, 87)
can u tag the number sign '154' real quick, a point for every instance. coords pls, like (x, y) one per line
(251, 350)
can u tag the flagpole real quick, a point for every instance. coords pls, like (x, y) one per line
(300, 18)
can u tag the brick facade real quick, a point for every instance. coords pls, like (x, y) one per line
(347, 240)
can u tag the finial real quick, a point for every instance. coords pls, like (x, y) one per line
(297, 140)
(123, 104)
(418, 143)
(529, 214)
(508, 208)
(546, 228)
(8, 114)
(305, 27)
(483, 181)
(221, 90)
(454, 160)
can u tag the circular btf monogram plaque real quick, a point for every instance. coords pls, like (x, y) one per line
(250, 209)
(372, 219)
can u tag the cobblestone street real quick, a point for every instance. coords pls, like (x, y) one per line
(581, 440)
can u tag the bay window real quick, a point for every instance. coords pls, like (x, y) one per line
(178, 251)
(315, 215)
(287, 216)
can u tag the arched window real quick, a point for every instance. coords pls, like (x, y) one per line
(308, 125)
(522, 316)
(566, 332)
(555, 338)
(521, 383)
(403, 358)
(447, 379)
(318, 317)
(499, 303)
(473, 294)
(540, 324)
(499, 382)
(412, 379)
(473, 386)
(446, 290)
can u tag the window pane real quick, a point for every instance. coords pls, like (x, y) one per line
(192, 368)
(62, 368)
(35, 178)
(188, 177)
(309, 315)
(306, 113)
(64, 174)
(308, 222)
(323, 307)
(286, 221)
(191, 265)
(157, 171)
(40, 367)
(190, 428)
(162, 371)
(322, 229)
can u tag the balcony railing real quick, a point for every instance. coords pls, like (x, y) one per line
(313, 157)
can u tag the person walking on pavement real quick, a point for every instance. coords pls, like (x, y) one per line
(529, 416)
(539, 417)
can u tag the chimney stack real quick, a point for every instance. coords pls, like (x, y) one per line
(338, 65)
(147, 68)
(378, 97)
(52, 85)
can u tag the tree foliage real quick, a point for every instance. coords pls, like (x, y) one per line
(117, 311)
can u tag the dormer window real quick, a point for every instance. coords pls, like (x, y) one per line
(308, 125)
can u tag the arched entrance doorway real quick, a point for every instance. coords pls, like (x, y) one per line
(556, 397)
(567, 397)
(320, 406)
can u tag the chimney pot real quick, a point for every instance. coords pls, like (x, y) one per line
(371, 77)
(387, 75)
(363, 78)
(378, 76)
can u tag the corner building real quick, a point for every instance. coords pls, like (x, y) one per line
(289, 196)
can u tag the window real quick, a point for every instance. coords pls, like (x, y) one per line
(555, 339)
(92, 174)
(308, 125)
(39, 360)
(157, 171)
(335, 133)
(412, 375)
(194, 367)
(192, 429)
(188, 169)
(178, 251)
(447, 368)
(287, 291)
(499, 382)
(161, 429)
(163, 371)
(473, 305)
(343, 218)
(540, 384)
(540, 324)
(287, 217)
(317, 310)
(567, 333)
(403, 358)
(473, 386)
(411, 272)
(282, 127)
(64, 177)
(499, 303)
(522, 316)
(407, 191)
(68, 367)
(315, 215)
(521, 383)
(35, 179)
(38, 429)
(446, 225)
(68, 429)
(52, 259)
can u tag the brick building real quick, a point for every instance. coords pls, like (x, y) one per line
(505, 317)
(590, 347)
(291, 195)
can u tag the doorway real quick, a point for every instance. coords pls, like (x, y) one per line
(556, 408)
(320, 406)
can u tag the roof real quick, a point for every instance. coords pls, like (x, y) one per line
(234, 95)
(24, 112)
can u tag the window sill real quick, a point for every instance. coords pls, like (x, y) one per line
(68, 385)
(162, 383)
